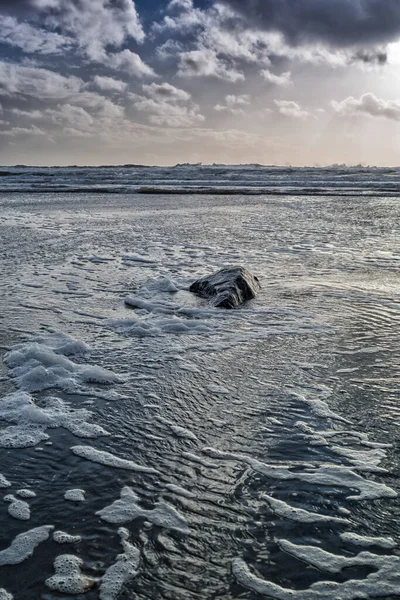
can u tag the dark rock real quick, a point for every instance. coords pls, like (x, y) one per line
(227, 288)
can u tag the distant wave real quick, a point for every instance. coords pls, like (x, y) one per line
(218, 179)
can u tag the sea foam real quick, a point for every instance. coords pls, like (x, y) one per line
(24, 544)
(30, 421)
(125, 569)
(127, 509)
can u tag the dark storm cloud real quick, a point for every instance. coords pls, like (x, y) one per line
(16, 7)
(337, 22)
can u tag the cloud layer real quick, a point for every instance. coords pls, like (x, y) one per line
(216, 80)
(338, 22)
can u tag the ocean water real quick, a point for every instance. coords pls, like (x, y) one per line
(154, 447)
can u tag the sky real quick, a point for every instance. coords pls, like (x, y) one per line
(300, 82)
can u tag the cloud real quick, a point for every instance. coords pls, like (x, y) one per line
(169, 114)
(233, 104)
(130, 62)
(168, 105)
(18, 131)
(18, 80)
(109, 84)
(31, 39)
(288, 108)
(368, 105)
(205, 63)
(93, 24)
(166, 91)
(220, 41)
(283, 80)
(338, 22)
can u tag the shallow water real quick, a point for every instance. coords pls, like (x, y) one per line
(220, 413)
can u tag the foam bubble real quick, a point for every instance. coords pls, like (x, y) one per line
(26, 493)
(366, 542)
(199, 460)
(43, 364)
(18, 508)
(320, 408)
(154, 327)
(282, 509)
(138, 258)
(75, 495)
(125, 569)
(69, 578)
(109, 460)
(218, 389)
(179, 491)
(31, 421)
(127, 509)
(161, 284)
(383, 582)
(323, 474)
(24, 544)
(4, 483)
(65, 538)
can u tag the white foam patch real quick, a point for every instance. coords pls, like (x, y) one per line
(183, 433)
(366, 542)
(138, 258)
(367, 460)
(42, 364)
(282, 509)
(68, 578)
(23, 546)
(31, 421)
(218, 389)
(4, 595)
(180, 432)
(199, 460)
(26, 493)
(363, 460)
(154, 327)
(320, 408)
(109, 460)
(322, 474)
(384, 582)
(127, 509)
(75, 495)
(65, 538)
(125, 569)
(175, 489)
(19, 509)
(161, 284)
(4, 483)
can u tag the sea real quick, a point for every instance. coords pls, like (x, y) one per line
(154, 447)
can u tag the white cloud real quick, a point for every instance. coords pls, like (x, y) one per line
(95, 24)
(368, 105)
(31, 39)
(168, 105)
(30, 114)
(205, 63)
(233, 104)
(166, 91)
(37, 82)
(130, 62)
(217, 41)
(288, 108)
(109, 84)
(17, 131)
(283, 80)
(169, 48)
(171, 114)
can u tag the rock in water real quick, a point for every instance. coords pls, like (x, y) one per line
(227, 288)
